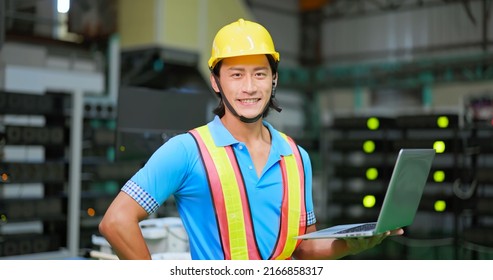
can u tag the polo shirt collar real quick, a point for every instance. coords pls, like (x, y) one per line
(222, 137)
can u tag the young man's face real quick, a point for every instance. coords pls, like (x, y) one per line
(247, 84)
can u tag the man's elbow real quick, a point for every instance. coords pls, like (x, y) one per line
(108, 224)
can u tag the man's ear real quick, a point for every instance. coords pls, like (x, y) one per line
(274, 80)
(213, 83)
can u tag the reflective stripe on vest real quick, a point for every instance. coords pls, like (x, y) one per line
(231, 203)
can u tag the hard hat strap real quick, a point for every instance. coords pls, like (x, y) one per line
(273, 100)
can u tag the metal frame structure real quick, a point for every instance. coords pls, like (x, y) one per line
(76, 84)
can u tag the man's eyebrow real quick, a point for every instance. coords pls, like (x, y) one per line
(236, 68)
(261, 68)
(241, 68)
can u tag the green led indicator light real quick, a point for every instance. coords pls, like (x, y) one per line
(442, 122)
(439, 146)
(369, 201)
(439, 176)
(369, 146)
(371, 173)
(372, 123)
(440, 206)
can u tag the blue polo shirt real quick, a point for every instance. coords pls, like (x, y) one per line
(176, 169)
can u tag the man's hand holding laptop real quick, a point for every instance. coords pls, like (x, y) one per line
(360, 244)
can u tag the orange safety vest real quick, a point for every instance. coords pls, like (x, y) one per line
(232, 206)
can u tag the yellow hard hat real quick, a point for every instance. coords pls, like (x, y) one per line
(240, 38)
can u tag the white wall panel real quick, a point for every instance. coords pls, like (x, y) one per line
(379, 36)
(281, 19)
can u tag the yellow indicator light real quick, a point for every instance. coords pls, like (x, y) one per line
(4, 177)
(371, 173)
(122, 148)
(372, 123)
(442, 122)
(91, 212)
(439, 146)
(369, 146)
(369, 201)
(439, 176)
(3, 218)
(440, 205)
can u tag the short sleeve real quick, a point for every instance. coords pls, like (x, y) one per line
(163, 173)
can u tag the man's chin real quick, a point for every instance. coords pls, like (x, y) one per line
(249, 115)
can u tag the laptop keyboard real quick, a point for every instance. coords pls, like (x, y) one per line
(362, 227)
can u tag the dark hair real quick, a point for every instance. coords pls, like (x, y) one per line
(220, 109)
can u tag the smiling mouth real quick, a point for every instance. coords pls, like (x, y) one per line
(249, 101)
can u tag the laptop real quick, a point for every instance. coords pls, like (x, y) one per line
(401, 199)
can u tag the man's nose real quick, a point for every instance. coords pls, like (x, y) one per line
(249, 84)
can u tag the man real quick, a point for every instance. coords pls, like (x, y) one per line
(242, 188)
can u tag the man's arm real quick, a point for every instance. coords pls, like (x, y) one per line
(120, 227)
(326, 249)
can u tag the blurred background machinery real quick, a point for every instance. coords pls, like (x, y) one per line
(89, 89)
